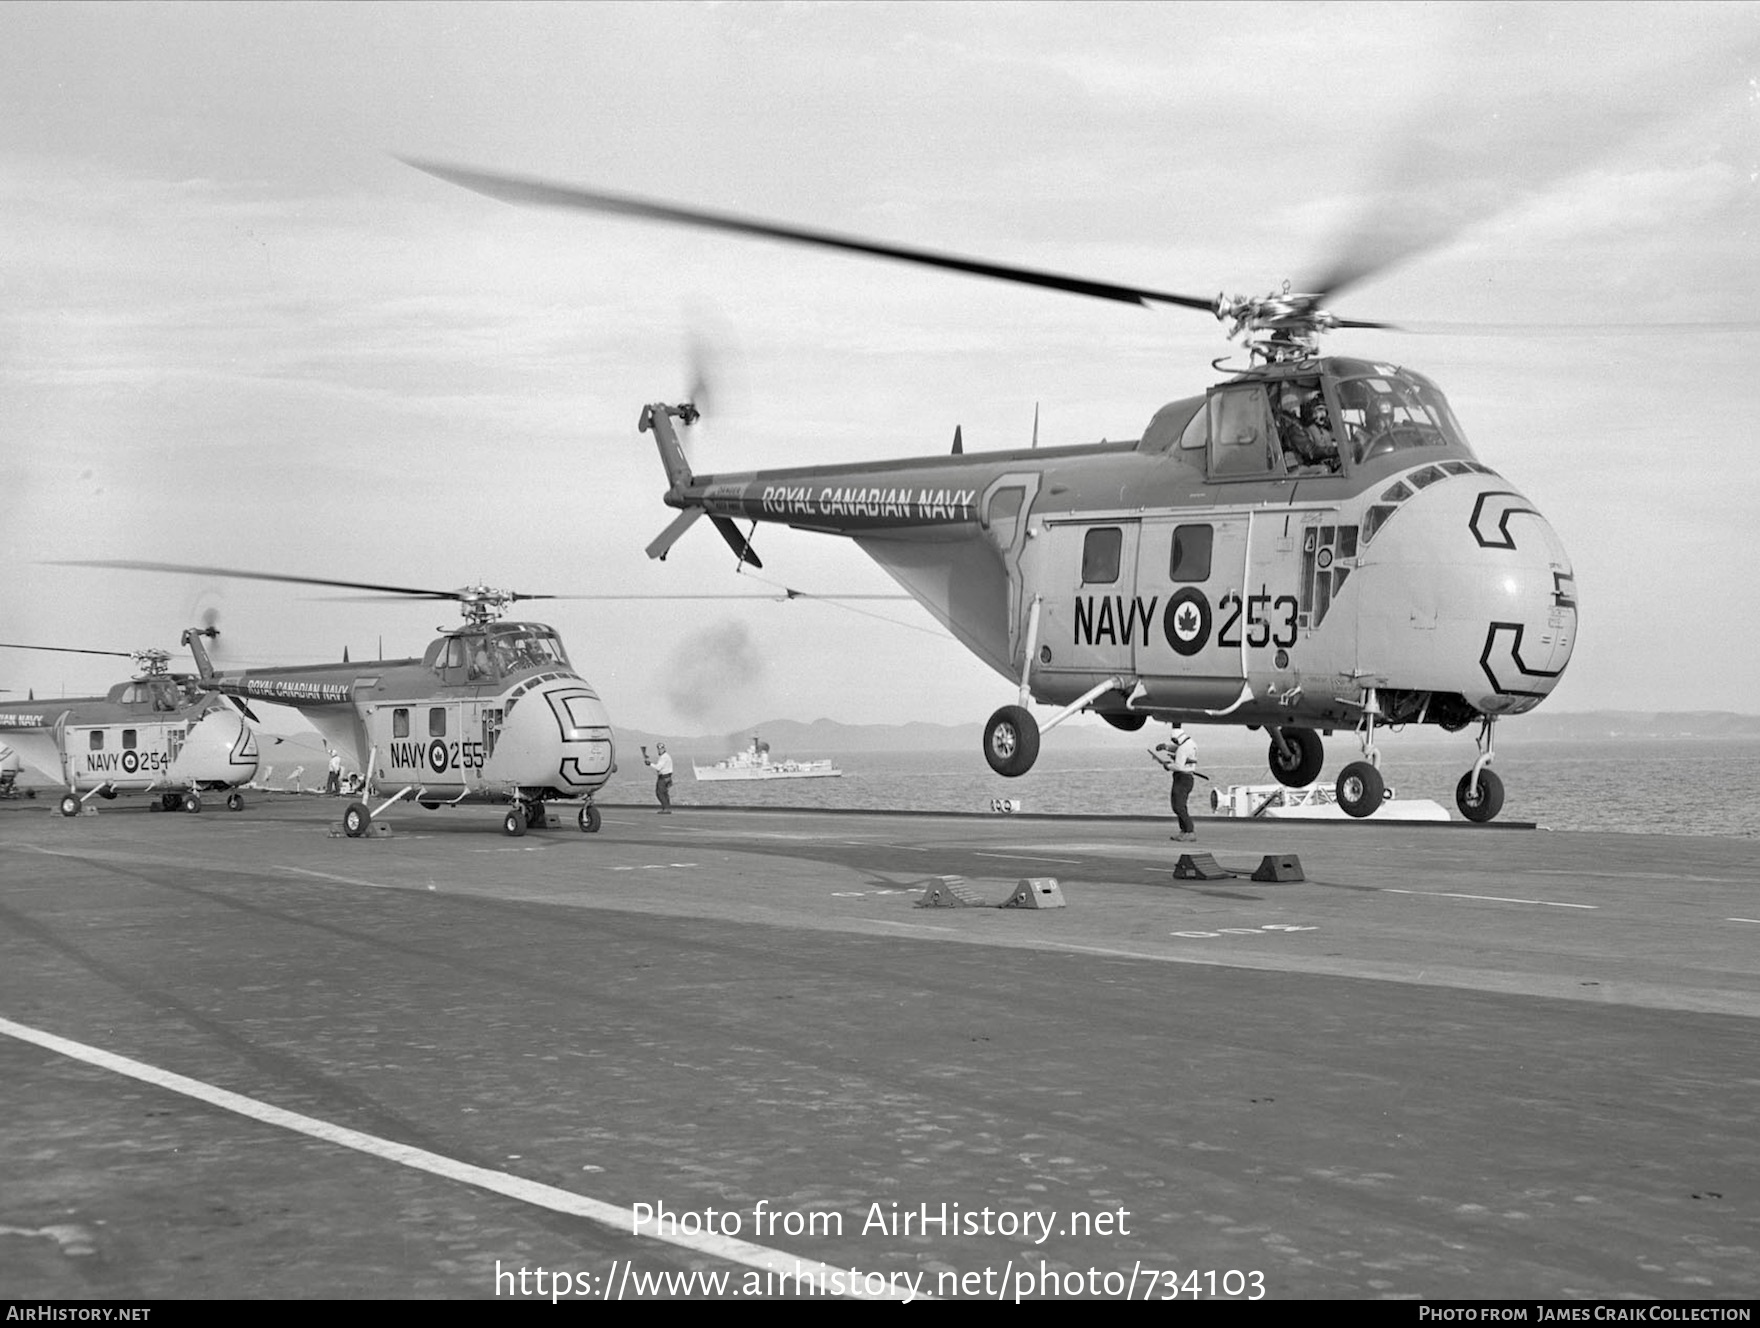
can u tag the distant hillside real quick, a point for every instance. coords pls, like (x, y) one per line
(788, 737)
(1635, 724)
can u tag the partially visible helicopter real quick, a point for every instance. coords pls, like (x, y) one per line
(1309, 545)
(163, 734)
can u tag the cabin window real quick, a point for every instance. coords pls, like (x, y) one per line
(97, 740)
(400, 722)
(128, 740)
(437, 721)
(1190, 560)
(1241, 436)
(1101, 549)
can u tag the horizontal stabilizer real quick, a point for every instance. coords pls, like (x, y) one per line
(735, 540)
(663, 542)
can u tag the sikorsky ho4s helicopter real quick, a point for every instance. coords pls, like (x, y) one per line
(163, 734)
(491, 712)
(1309, 545)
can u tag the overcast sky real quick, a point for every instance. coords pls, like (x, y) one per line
(235, 330)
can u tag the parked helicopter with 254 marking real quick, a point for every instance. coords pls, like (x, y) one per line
(163, 734)
(1309, 545)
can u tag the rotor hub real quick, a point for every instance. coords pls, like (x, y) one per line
(151, 663)
(1276, 328)
(481, 605)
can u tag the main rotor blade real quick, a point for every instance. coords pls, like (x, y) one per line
(524, 189)
(65, 650)
(130, 565)
(1509, 119)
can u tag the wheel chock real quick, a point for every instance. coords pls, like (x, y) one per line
(949, 892)
(1279, 867)
(1035, 892)
(1200, 867)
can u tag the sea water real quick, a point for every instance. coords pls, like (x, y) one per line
(1684, 787)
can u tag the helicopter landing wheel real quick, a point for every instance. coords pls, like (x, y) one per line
(1011, 741)
(235, 802)
(590, 820)
(1301, 766)
(1361, 789)
(355, 820)
(192, 802)
(1489, 800)
(70, 805)
(514, 823)
(170, 802)
(535, 816)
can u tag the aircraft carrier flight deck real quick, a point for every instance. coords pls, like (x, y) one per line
(730, 1053)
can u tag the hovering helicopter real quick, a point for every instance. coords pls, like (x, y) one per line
(161, 733)
(1309, 545)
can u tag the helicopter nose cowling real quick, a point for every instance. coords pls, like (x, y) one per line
(220, 748)
(1468, 590)
(555, 734)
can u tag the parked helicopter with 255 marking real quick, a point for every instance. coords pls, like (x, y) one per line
(1311, 544)
(492, 712)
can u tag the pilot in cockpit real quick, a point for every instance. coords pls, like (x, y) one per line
(1304, 427)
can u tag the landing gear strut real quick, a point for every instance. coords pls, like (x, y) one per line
(1361, 789)
(1479, 795)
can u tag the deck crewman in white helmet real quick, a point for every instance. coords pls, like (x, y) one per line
(1182, 759)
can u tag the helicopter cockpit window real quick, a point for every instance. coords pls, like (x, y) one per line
(450, 656)
(1190, 560)
(1392, 413)
(1101, 549)
(1241, 435)
(531, 650)
(1197, 432)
